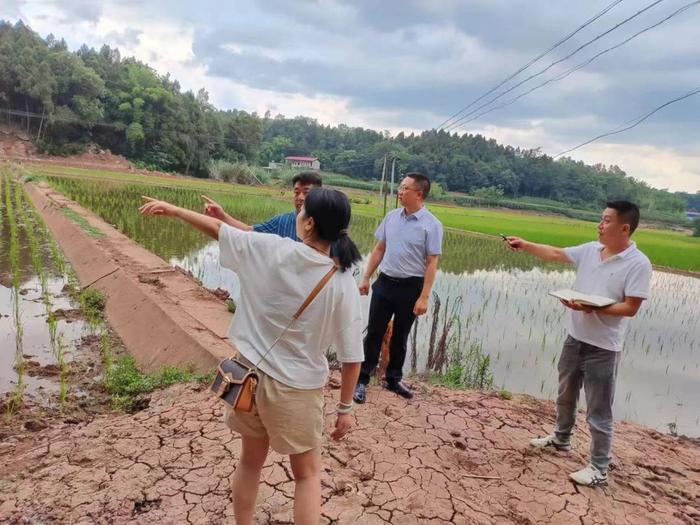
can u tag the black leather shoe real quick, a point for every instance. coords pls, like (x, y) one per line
(359, 394)
(399, 388)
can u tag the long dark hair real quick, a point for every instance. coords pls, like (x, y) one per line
(330, 210)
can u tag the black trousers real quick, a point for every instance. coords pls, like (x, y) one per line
(390, 297)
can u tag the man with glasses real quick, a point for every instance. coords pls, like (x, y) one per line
(409, 244)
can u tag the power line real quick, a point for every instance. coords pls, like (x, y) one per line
(568, 72)
(523, 68)
(634, 124)
(550, 66)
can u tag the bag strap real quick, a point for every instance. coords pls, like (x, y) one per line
(317, 289)
(315, 292)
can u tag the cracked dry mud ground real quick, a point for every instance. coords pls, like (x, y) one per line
(404, 462)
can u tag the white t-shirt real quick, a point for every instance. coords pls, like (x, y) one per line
(276, 276)
(627, 274)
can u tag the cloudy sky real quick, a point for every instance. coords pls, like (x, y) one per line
(411, 64)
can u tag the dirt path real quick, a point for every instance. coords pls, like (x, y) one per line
(405, 462)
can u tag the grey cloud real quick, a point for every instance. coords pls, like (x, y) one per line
(391, 35)
(81, 10)
(127, 38)
(12, 10)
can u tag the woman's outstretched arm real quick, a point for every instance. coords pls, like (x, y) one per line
(207, 225)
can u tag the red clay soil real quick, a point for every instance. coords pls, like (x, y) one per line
(16, 145)
(403, 463)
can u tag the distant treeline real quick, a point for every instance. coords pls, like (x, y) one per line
(66, 100)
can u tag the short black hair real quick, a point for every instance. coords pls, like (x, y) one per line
(627, 212)
(422, 180)
(308, 177)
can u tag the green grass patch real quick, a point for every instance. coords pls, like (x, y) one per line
(125, 382)
(82, 222)
(470, 370)
(505, 394)
(92, 303)
(231, 305)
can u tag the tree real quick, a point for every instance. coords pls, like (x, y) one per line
(492, 194)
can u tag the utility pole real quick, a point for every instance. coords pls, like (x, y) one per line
(382, 193)
(393, 166)
(396, 203)
(381, 184)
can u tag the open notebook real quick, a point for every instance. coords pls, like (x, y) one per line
(583, 298)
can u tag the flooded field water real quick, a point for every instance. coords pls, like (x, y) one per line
(496, 299)
(36, 337)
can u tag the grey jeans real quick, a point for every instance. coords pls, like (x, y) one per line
(581, 364)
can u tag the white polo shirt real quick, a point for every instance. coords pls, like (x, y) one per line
(626, 274)
(276, 275)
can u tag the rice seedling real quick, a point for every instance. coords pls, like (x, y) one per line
(64, 367)
(30, 257)
(32, 231)
(106, 350)
(414, 346)
(15, 269)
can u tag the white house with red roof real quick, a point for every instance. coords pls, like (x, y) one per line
(303, 162)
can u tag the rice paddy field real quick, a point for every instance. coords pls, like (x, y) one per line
(35, 338)
(490, 305)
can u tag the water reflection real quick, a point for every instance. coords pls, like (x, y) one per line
(523, 329)
(36, 340)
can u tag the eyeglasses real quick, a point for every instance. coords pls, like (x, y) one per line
(406, 188)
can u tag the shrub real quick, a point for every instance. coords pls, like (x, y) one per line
(237, 172)
(492, 193)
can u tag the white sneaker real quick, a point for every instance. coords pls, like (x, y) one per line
(589, 477)
(550, 441)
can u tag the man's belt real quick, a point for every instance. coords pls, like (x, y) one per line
(401, 280)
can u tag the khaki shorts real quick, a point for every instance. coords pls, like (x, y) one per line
(292, 418)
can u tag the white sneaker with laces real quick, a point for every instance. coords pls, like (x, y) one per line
(550, 441)
(589, 477)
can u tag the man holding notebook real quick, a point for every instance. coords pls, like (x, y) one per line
(612, 267)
